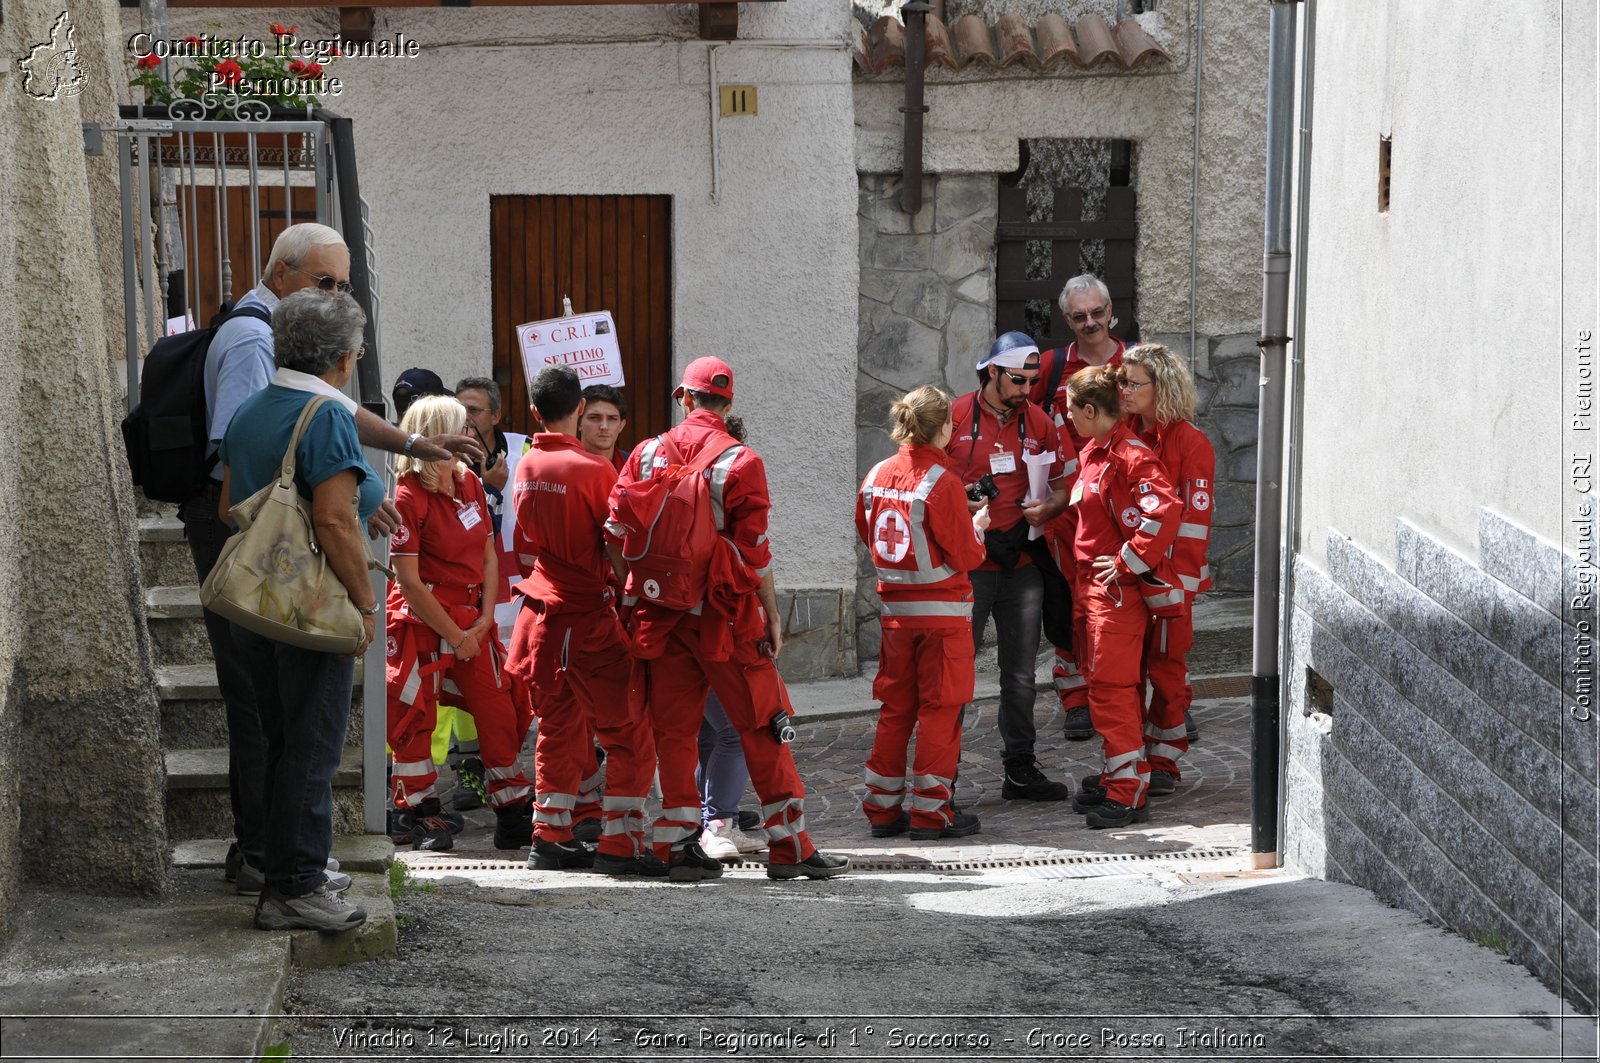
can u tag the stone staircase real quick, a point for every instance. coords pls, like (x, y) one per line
(194, 732)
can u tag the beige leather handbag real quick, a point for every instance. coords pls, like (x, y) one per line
(273, 578)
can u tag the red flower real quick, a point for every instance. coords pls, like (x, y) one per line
(229, 72)
(297, 67)
(313, 69)
(279, 30)
(192, 41)
(149, 62)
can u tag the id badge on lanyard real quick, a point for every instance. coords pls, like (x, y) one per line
(469, 515)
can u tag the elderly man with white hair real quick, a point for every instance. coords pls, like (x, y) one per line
(239, 363)
(997, 442)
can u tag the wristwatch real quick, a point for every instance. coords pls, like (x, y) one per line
(411, 441)
(367, 612)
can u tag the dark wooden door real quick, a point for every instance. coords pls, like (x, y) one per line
(605, 253)
(200, 230)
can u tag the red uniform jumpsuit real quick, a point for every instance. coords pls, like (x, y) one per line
(1190, 463)
(569, 646)
(447, 535)
(680, 655)
(1126, 508)
(912, 515)
(1071, 689)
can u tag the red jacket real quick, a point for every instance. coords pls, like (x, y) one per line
(1127, 508)
(912, 514)
(1190, 463)
(560, 495)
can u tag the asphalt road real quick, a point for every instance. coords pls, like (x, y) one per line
(1185, 959)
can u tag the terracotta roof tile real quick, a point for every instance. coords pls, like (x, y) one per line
(1051, 45)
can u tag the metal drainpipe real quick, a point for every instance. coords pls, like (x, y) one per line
(1297, 394)
(915, 13)
(1266, 712)
(1194, 181)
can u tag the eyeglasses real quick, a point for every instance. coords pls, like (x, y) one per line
(361, 352)
(1096, 313)
(475, 410)
(1128, 385)
(325, 283)
(1022, 381)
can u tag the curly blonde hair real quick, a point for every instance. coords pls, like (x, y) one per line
(1173, 382)
(433, 415)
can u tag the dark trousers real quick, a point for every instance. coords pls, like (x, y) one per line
(304, 697)
(1016, 601)
(247, 750)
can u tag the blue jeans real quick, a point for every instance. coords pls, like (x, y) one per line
(1016, 601)
(722, 775)
(247, 749)
(304, 698)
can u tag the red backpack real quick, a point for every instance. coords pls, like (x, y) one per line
(670, 533)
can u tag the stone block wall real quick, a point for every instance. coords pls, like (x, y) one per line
(927, 315)
(1439, 758)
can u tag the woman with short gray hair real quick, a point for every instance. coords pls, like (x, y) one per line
(303, 696)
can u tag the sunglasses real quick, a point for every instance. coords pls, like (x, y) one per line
(325, 283)
(1021, 381)
(1080, 317)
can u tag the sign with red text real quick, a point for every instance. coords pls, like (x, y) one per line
(584, 343)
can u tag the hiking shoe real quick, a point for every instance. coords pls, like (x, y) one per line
(321, 909)
(250, 879)
(749, 821)
(751, 841)
(559, 856)
(717, 840)
(960, 826)
(469, 791)
(1077, 726)
(422, 827)
(1090, 794)
(1191, 729)
(1110, 813)
(587, 830)
(891, 830)
(644, 865)
(691, 864)
(1162, 783)
(818, 865)
(1025, 782)
(513, 826)
(454, 820)
(232, 862)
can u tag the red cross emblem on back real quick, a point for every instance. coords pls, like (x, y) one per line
(891, 535)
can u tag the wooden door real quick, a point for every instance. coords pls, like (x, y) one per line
(200, 231)
(605, 253)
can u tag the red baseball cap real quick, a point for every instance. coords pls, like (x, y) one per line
(710, 376)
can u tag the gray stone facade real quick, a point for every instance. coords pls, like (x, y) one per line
(927, 315)
(1227, 372)
(1445, 769)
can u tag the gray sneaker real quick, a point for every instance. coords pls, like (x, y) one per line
(250, 879)
(321, 909)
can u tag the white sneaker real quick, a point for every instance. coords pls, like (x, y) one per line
(321, 909)
(717, 843)
(748, 841)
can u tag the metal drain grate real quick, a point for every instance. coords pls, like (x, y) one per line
(1088, 863)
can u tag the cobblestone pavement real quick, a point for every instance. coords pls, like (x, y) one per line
(1209, 815)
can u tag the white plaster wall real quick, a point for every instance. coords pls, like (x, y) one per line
(1434, 340)
(614, 100)
(975, 120)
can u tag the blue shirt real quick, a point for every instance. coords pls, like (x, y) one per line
(239, 363)
(258, 434)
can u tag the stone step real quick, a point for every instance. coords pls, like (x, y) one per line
(164, 528)
(198, 805)
(189, 682)
(173, 602)
(1223, 636)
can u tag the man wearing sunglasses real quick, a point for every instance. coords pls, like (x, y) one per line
(1086, 307)
(239, 363)
(997, 432)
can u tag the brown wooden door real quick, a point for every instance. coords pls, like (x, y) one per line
(200, 231)
(605, 253)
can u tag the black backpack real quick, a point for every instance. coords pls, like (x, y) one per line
(166, 434)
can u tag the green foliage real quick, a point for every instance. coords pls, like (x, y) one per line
(277, 1051)
(1491, 939)
(279, 76)
(401, 881)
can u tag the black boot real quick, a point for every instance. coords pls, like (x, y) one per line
(513, 826)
